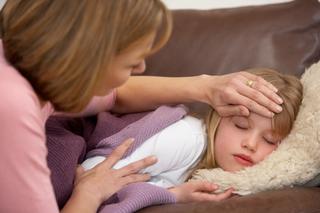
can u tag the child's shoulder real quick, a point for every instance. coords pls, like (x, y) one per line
(195, 125)
(188, 134)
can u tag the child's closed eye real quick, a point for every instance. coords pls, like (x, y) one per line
(271, 142)
(240, 123)
(241, 127)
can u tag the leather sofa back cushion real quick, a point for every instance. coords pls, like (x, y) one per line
(285, 37)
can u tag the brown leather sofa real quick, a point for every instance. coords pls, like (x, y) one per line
(285, 37)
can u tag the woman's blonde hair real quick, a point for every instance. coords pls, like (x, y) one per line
(64, 47)
(289, 89)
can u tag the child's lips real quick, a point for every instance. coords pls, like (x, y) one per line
(243, 160)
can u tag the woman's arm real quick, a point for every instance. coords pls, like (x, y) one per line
(141, 93)
(228, 94)
(81, 204)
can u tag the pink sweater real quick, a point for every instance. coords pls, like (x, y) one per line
(25, 184)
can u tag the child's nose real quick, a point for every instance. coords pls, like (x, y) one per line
(140, 68)
(250, 143)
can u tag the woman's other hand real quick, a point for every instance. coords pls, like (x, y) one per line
(100, 182)
(238, 93)
(198, 191)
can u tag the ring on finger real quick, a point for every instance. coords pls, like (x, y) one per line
(249, 83)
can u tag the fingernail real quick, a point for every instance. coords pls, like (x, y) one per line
(130, 141)
(244, 111)
(279, 108)
(280, 101)
(214, 186)
(275, 89)
(271, 114)
(153, 158)
(148, 176)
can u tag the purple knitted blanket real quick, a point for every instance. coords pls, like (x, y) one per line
(69, 140)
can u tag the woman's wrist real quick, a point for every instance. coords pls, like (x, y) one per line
(81, 202)
(202, 85)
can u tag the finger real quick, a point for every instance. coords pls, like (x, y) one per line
(224, 195)
(79, 172)
(259, 97)
(136, 166)
(267, 92)
(203, 196)
(203, 186)
(232, 110)
(241, 95)
(116, 155)
(256, 78)
(134, 178)
(249, 104)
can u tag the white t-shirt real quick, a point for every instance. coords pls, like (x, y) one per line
(179, 148)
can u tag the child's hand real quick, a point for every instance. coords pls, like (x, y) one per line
(198, 191)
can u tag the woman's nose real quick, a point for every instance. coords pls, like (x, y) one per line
(250, 143)
(140, 68)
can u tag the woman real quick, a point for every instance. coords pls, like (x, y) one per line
(69, 56)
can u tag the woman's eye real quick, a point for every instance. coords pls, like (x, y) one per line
(133, 66)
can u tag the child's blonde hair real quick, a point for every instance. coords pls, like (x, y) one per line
(289, 89)
(64, 47)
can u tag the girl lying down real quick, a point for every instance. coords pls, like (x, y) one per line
(231, 143)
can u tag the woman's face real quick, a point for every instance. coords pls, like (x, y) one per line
(243, 141)
(130, 61)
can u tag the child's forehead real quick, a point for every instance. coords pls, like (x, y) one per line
(254, 118)
(255, 121)
(257, 117)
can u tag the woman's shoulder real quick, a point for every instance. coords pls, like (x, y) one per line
(16, 94)
(23, 150)
(19, 105)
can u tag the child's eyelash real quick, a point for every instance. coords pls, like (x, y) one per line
(270, 142)
(240, 127)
